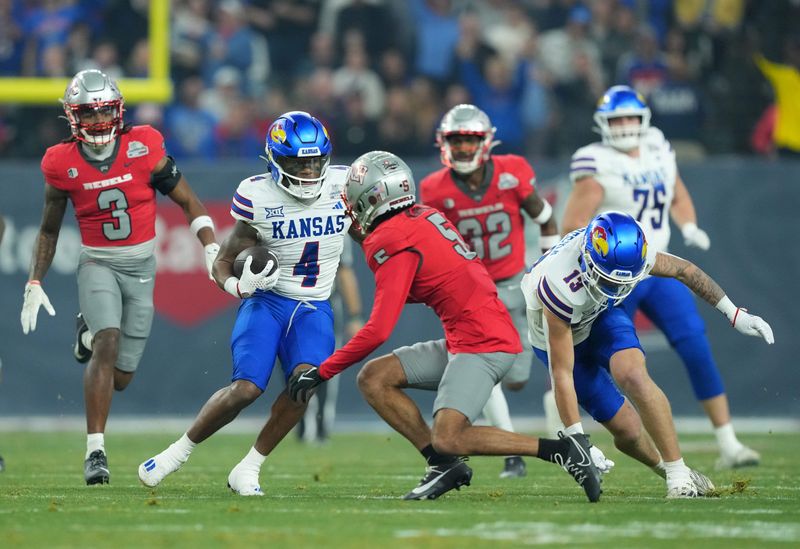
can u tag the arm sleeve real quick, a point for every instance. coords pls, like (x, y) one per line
(392, 283)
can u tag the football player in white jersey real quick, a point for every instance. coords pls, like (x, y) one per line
(633, 170)
(589, 343)
(295, 210)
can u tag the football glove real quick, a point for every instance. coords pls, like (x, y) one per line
(695, 237)
(602, 463)
(250, 281)
(752, 325)
(34, 298)
(211, 251)
(303, 384)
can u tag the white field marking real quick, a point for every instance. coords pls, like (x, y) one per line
(542, 533)
(752, 511)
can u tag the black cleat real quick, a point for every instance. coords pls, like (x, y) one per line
(95, 468)
(440, 479)
(82, 352)
(576, 460)
(514, 468)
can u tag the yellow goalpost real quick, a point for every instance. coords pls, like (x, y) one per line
(157, 87)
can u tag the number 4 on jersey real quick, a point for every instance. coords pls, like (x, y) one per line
(308, 265)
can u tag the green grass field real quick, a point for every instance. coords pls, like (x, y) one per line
(346, 494)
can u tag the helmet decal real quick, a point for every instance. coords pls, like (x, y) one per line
(600, 241)
(277, 133)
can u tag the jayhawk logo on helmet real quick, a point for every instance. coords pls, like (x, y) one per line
(600, 241)
(278, 134)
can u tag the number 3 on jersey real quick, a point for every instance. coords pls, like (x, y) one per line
(308, 265)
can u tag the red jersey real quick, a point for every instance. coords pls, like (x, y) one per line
(418, 257)
(115, 202)
(490, 219)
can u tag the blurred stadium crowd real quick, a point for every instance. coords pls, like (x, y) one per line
(380, 73)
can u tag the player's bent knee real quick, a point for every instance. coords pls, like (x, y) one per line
(122, 379)
(447, 434)
(385, 371)
(243, 391)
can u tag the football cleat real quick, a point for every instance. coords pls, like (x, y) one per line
(95, 468)
(682, 489)
(576, 460)
(82, 352)
(701, 482)
(744, 457)
(244, 481)
(514, 468)
(2, 464)
(158, 467)
(440, 479)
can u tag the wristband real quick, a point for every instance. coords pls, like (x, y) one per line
(201, 222)
(545, 215)
(548, 241)
(574, 429)
(688, 228)
(35, 282)
(726, 307)
(231, 286)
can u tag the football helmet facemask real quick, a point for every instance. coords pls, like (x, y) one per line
(614, 257)
(377, 182)
(298, 153)
(94, 106)
(465, 120)
(622, 101)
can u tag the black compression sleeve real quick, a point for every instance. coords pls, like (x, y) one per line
(167, 178)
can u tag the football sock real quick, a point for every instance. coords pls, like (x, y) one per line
(94, 442)
(726, 439)
(676, 469)
(549, 447)
(86, 339)
(253, 459)
(433, 457)
(182, 448)
(551, 417)
(659, 469)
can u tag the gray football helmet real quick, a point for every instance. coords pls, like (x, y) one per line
(466, 120)
(376, 183)
(94, 106)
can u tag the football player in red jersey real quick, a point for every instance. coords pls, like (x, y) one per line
(418, 256)
(484, 195)
(110, 171)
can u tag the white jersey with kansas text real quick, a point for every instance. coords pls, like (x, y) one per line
(307, 238)
(641, 186)
(555, 282)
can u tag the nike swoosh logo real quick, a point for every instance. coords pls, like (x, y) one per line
(424, 487)
(145, 280)
(304, 378)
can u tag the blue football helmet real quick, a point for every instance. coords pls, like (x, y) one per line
(622, 101)
(614, 257)
(298, 153)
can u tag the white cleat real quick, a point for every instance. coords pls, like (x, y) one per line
(682, 489)
(244, 481)
(701, 482)
(744, 457)
(156, 469)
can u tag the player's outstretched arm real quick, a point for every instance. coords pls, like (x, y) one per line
(55, 204)
(668, 265)
(561, 355)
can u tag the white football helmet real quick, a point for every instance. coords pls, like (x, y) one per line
(466, 120)
(90, 94)
(376, 183)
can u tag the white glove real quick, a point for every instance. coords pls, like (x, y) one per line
(211, 251)
(695, 237)
(752, 325)
(34, 298)
(250, 282)
(602, 463)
